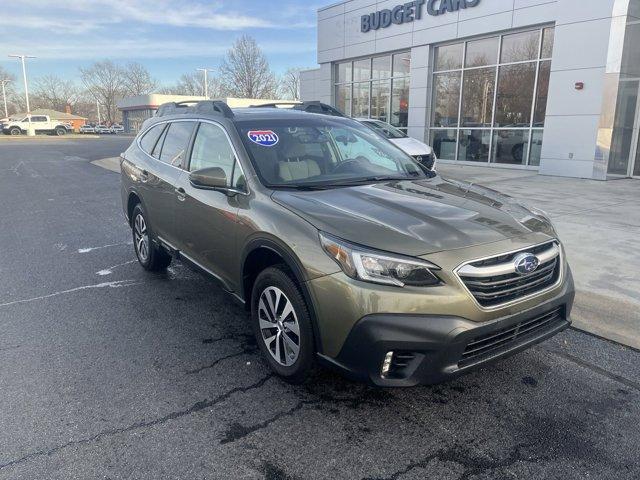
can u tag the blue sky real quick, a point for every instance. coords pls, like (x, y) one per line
(169, 37)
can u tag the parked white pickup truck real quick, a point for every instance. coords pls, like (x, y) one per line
(40, 123)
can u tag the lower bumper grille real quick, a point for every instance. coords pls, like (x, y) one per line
(501, 340)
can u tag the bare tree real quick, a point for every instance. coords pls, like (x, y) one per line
(245, 71)
(53, 92)
(138, 80)
(106, 83)
(290, 84)
(13, 104)
(193, 84)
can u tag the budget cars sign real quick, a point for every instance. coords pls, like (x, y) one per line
(411, 11)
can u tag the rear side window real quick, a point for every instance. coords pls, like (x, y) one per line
(176, 142)
(150, 138)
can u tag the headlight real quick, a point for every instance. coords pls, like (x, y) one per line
(378, 267)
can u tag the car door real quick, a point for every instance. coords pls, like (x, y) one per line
(206, 219)
(160, 177)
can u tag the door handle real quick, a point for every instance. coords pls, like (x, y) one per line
(181, 193)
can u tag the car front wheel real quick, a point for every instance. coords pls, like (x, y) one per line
(150, 256)
(15, 131)
(282, 324)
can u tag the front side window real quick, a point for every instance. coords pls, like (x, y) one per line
(211, 149)
(385, 129)
(322, 152)
(176, 142)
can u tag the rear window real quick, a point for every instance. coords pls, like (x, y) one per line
(150, 138)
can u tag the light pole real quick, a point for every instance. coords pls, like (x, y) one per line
(98, 108)
(206, 83)
(30, 131)
(4, 95)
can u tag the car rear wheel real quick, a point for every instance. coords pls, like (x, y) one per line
(60, 131)
(282, 324)
(150, 256)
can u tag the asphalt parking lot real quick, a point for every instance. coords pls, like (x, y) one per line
(110, 372)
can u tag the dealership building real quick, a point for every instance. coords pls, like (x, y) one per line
(543, 85)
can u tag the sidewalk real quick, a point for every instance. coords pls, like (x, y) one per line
(599, 223)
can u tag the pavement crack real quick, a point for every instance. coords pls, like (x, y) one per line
(239, 431)
(196, 407)
(216, 362)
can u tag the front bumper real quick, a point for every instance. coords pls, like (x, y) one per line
(430, 349)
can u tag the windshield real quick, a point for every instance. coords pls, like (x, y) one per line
(386, 129)
(323, 152)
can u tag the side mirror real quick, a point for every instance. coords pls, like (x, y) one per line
(212, 178)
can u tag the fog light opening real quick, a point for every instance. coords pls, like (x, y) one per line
(386, 365)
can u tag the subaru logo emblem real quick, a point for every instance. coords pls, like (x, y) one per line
(526, 263)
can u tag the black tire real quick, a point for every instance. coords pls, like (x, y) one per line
(15, 131)
(278, 277)
(152, 257)
(60, 131)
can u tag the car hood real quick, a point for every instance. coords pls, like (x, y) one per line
(411, 146)
(414, 217)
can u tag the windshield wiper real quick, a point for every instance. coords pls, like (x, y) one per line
(364, 181)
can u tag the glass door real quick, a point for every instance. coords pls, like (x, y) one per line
(625, 130)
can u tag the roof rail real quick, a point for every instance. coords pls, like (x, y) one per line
(311, 106)
(208, 107)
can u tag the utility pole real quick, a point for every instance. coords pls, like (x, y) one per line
(206, 83)
(30, 131)
(98, 108)
(4, 95)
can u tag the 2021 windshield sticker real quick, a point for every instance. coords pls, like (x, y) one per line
(264, 138)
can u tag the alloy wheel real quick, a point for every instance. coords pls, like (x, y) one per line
(279, 326)
(141, 237)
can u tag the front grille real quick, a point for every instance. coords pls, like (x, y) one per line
(494, 281)
(494, 343)
(427, 160)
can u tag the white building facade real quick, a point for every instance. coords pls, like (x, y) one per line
(546, 85)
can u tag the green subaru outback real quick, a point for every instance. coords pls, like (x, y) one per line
(346, 251)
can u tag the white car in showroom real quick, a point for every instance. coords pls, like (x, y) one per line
(420, 151)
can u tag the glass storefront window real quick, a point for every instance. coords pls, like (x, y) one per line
(474, 145)
(402, 64)
(344, 72)
(380, 100)
(477, 97)
(362, 70)
(510, 146)
(381, 68)
(536, 147)
(482, 52)
(490, 95)
(375, 87)
(515, 95)
(361, 99)
(446, 99)
(520, 47)
(548, 35)
(343, 98)
(444, 143)
(449, 57)
(542, 94)
(400, 103)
